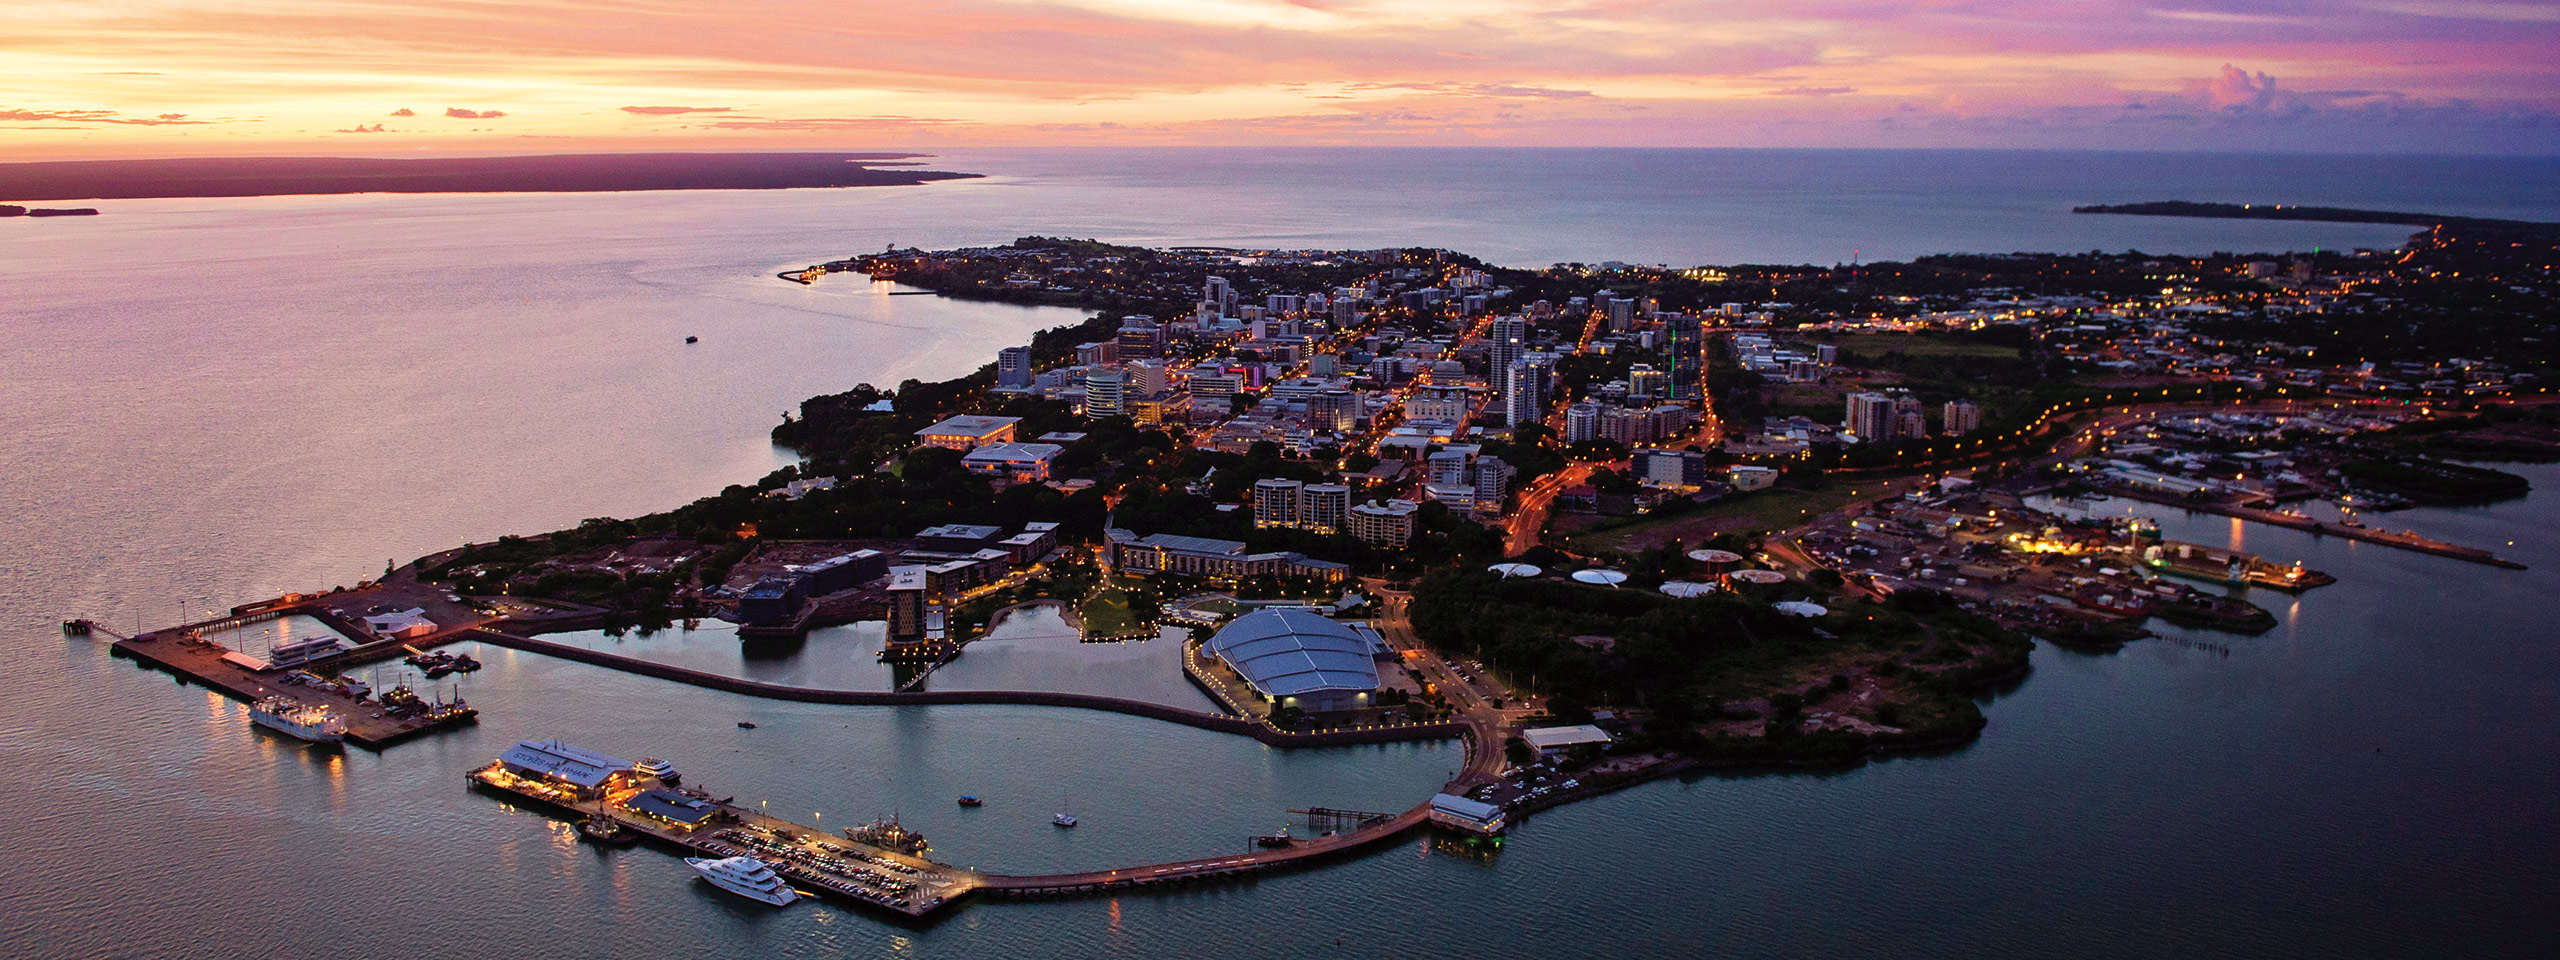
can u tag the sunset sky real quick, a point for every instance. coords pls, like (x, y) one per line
(398, 77)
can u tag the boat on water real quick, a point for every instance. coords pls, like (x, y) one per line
(888, 834)
(1063, 820)
(1274, 840)
(971, 800)
(308, 721)
(745, 876)
(693, 339)
(654, 767)
(746, 725)
(601, 830)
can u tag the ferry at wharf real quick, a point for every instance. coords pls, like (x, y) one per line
(314, 722)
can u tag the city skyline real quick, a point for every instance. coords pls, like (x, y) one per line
(412, 77)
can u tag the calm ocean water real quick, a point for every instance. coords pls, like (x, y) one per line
(212, 400)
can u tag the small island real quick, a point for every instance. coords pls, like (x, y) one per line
(9, 210)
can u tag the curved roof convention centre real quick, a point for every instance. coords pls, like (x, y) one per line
(1285, 653)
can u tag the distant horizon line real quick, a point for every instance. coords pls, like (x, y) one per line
(891, 154)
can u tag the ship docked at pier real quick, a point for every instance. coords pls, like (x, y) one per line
(308, 721)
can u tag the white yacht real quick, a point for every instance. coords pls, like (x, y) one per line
(745, 876)
(654, 767)
(314, 722)
(1063, 820)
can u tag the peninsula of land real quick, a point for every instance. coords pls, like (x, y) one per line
(563, 173)
(1597, 524)
(2287, 211)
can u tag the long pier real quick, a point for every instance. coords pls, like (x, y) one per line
(1299, 853)
(2405, 541)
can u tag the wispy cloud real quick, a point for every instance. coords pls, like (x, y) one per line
(98, 116)
(459, 113)
(2496, 12)
(831, 123)
(671, 111)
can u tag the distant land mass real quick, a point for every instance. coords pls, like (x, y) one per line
(8, 210)
(562, 173)
(2280, 211)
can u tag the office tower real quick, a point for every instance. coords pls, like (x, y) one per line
(1503, 344)
(1147, 378)
(1646, 380)
(1493, 482)
(1140, 337)
(1013, 368)
(1106, 393)
(1335, 410)
(1685, 344)
(1524, 389)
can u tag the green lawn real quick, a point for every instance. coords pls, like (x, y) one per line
(1107, 612)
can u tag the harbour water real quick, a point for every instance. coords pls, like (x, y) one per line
(210, 401)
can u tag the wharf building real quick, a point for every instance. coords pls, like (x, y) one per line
(579, 772)
(1471, 816)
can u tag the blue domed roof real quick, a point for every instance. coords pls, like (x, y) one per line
(1285, 653)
